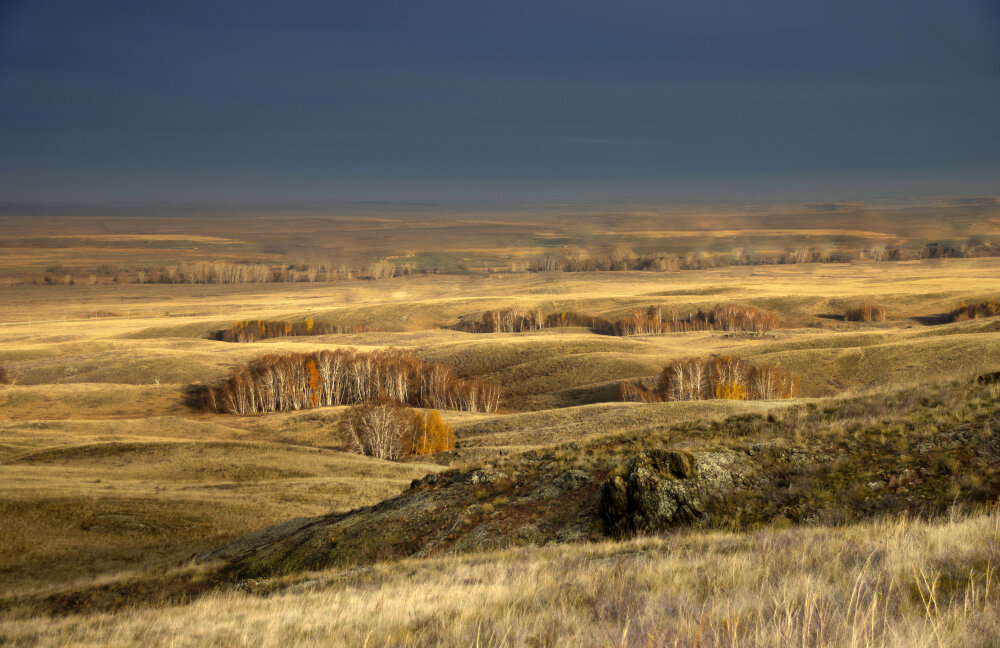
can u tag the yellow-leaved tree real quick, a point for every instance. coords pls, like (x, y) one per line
(431, 434)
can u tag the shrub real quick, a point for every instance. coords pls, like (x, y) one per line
(974, 311)
(5, 378)
(295, 381)
(867, 312)
(631, 392)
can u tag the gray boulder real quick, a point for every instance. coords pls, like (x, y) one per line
(659, 489)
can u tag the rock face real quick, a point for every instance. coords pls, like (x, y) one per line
(659, 489)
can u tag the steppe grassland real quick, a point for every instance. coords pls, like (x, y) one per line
(104, 469)
(896, 583)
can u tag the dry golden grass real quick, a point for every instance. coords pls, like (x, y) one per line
(85, 497)
(886, 584)
(103, 469)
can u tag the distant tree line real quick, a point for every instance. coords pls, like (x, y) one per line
(625, 259)
(727, 317)
(254, 330)
(517, 320)
(218, 272)
(619, 259)
(651, 320)
(296, 381)
(722, 377)
(232, 273)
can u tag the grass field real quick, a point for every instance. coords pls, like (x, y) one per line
(106, 476)
(902, 583)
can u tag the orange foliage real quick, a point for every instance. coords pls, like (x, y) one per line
(974, 311)
(314, 382)
(431, 434)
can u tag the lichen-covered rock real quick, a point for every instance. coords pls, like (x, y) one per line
(572, 479)
(658, 489)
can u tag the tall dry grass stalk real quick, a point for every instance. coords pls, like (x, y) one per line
(885, 584)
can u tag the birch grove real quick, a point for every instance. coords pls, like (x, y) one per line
(296, 381)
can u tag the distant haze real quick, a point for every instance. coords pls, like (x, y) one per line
(207, 102)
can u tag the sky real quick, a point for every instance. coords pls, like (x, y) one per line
(242, 102)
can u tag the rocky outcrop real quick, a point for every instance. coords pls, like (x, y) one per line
(659, 489)
(532, 501)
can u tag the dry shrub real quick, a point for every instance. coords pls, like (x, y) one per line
(381, 269)
(5, 377)
(220, 273)
(631, 392)
(725, 377)
(296, 381)
(867, 312)
(965, 311)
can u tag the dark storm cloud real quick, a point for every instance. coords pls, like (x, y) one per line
(518, 100)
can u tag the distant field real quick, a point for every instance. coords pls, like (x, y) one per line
(453, 239)
(107, 476)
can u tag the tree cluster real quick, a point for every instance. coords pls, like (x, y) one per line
(867, 312)
(389, 431)
(218, 272)
(253, 330)
(722, 377)
(965, 311)
(727, 317)
(296, 381)
(623, 258)
(516, 320)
